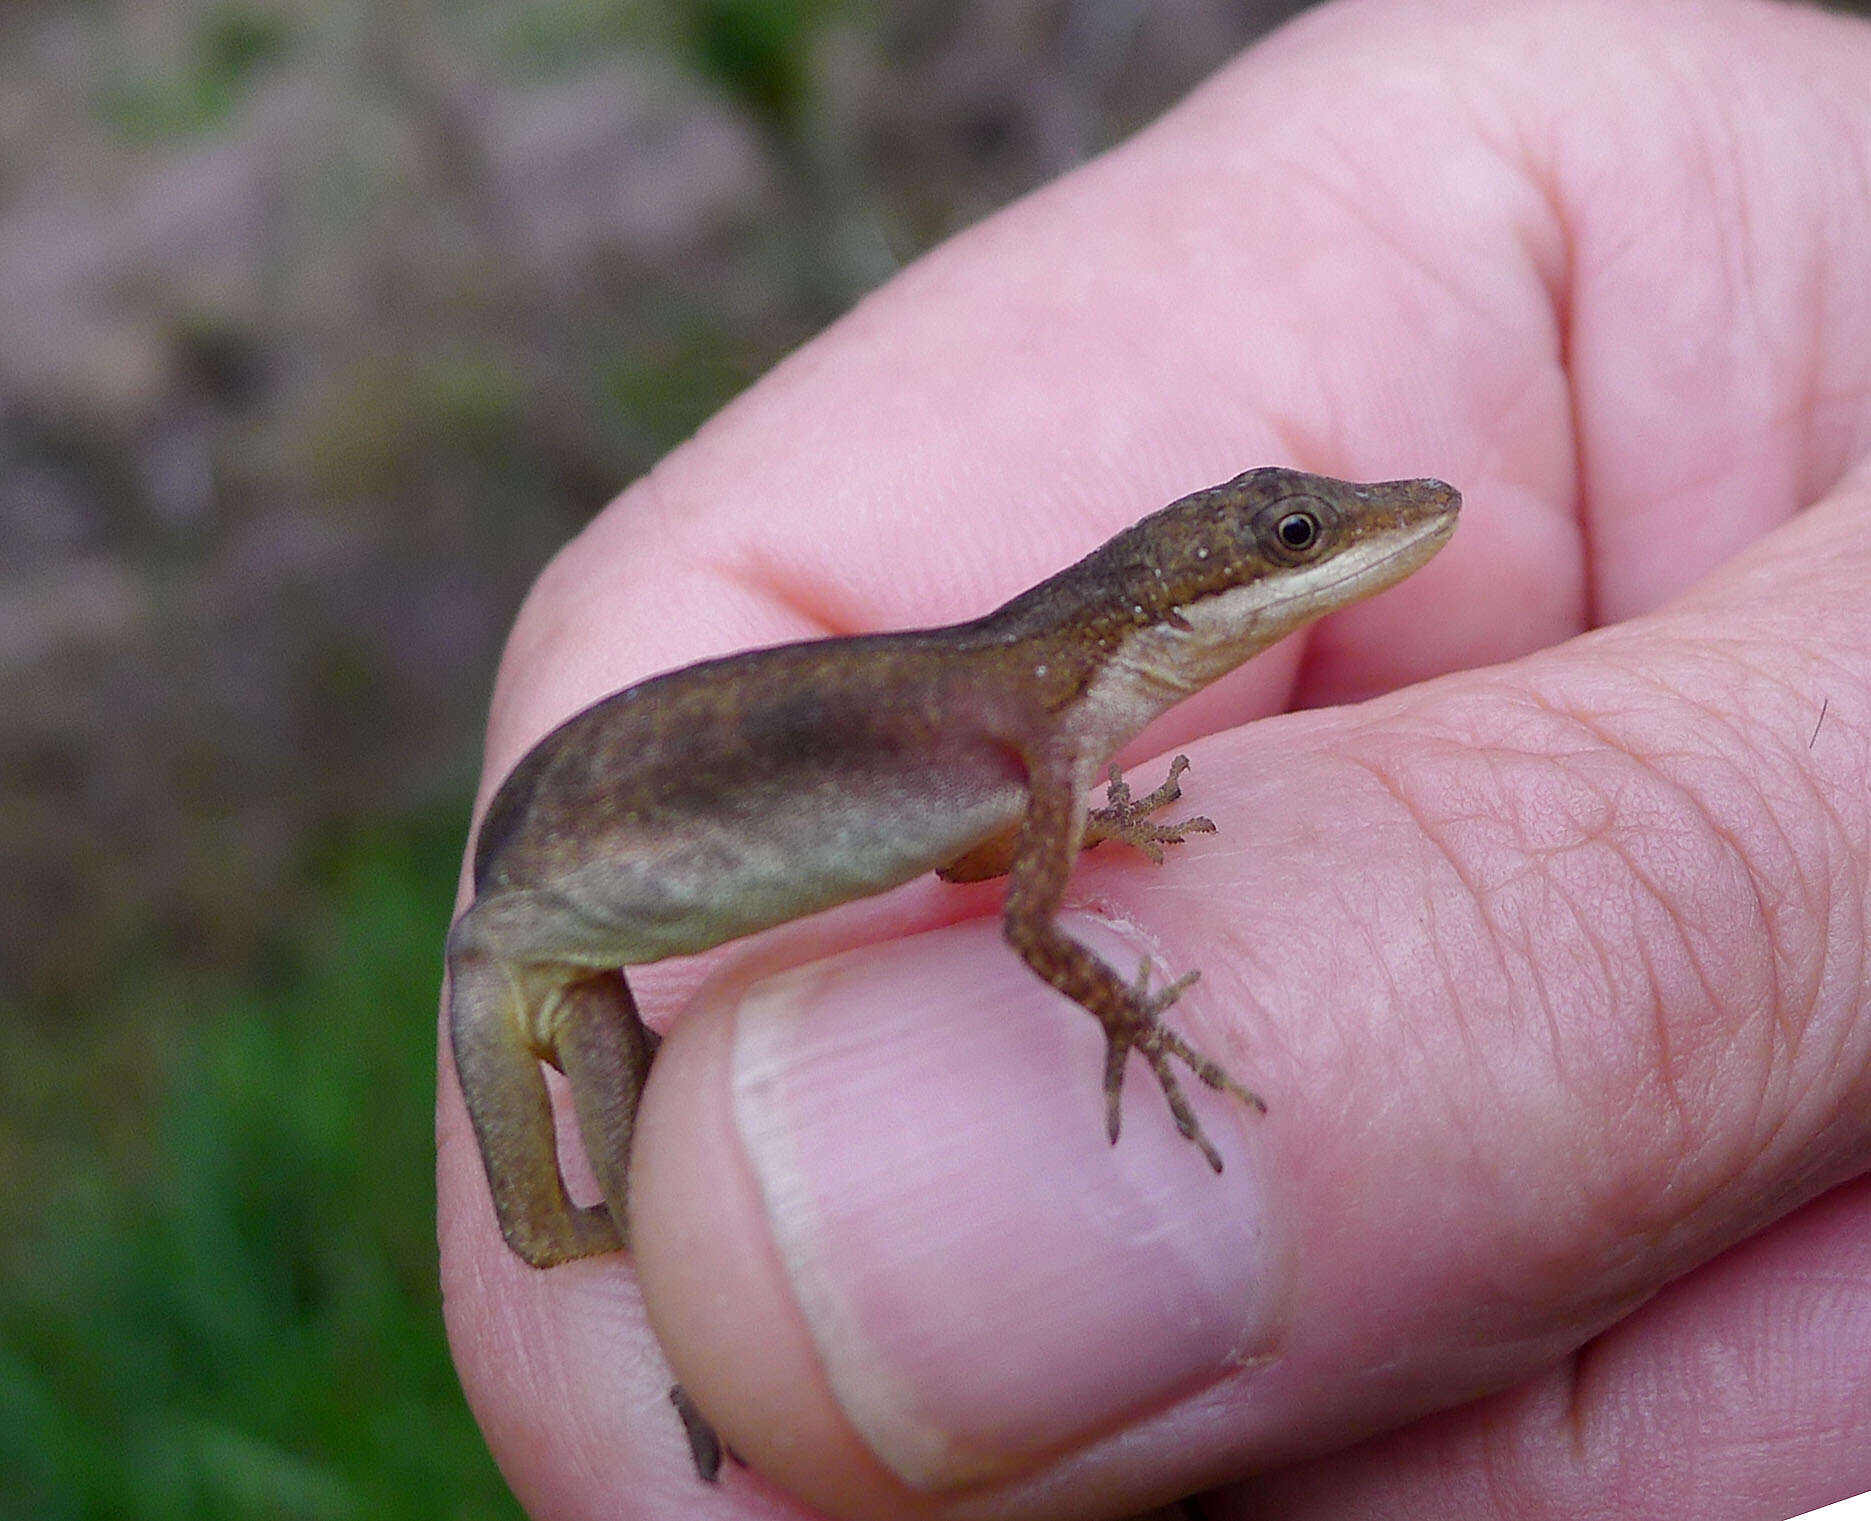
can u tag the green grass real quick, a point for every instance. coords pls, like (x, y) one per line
(217, 1285)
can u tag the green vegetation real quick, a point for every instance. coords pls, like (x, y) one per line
(229, 45)
(759, 51)
(251, 1327)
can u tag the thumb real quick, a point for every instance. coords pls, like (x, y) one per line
(1552, 977)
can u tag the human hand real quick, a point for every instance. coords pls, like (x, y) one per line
(1552, 972)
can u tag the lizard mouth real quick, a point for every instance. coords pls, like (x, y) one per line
(1359, 574)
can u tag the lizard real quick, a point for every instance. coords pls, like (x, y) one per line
(710, 802)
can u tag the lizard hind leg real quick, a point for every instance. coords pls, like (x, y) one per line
(605, 1051)
(1138, 1026)
(512, 1114)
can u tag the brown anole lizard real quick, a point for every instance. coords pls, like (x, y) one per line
(736, 794)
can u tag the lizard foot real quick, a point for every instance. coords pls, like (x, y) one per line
(1140, 1028)
(1127, 819)
(705, 1446)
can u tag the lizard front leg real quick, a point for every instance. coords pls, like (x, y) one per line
(1127, 819)
(1122, 818)
(1047, 844)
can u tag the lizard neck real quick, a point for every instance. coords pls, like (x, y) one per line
(1105, 647)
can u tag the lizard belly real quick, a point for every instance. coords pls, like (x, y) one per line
(792, 845)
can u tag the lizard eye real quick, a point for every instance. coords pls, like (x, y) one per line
(1293, 530)
(1298, 531)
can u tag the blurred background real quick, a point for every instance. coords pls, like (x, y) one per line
(321, 326)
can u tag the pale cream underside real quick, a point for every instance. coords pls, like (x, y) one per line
(1157, 667)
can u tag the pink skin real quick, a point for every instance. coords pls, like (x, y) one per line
(1552, 972)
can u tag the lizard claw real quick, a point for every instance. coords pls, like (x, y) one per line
(1128, 819)
(1141, 1029)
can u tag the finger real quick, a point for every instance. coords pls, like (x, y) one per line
(1740, 1390)
(1552, 978)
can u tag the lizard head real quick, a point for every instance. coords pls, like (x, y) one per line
(1193, 590)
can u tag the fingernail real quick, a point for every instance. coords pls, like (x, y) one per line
(986, 1279)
